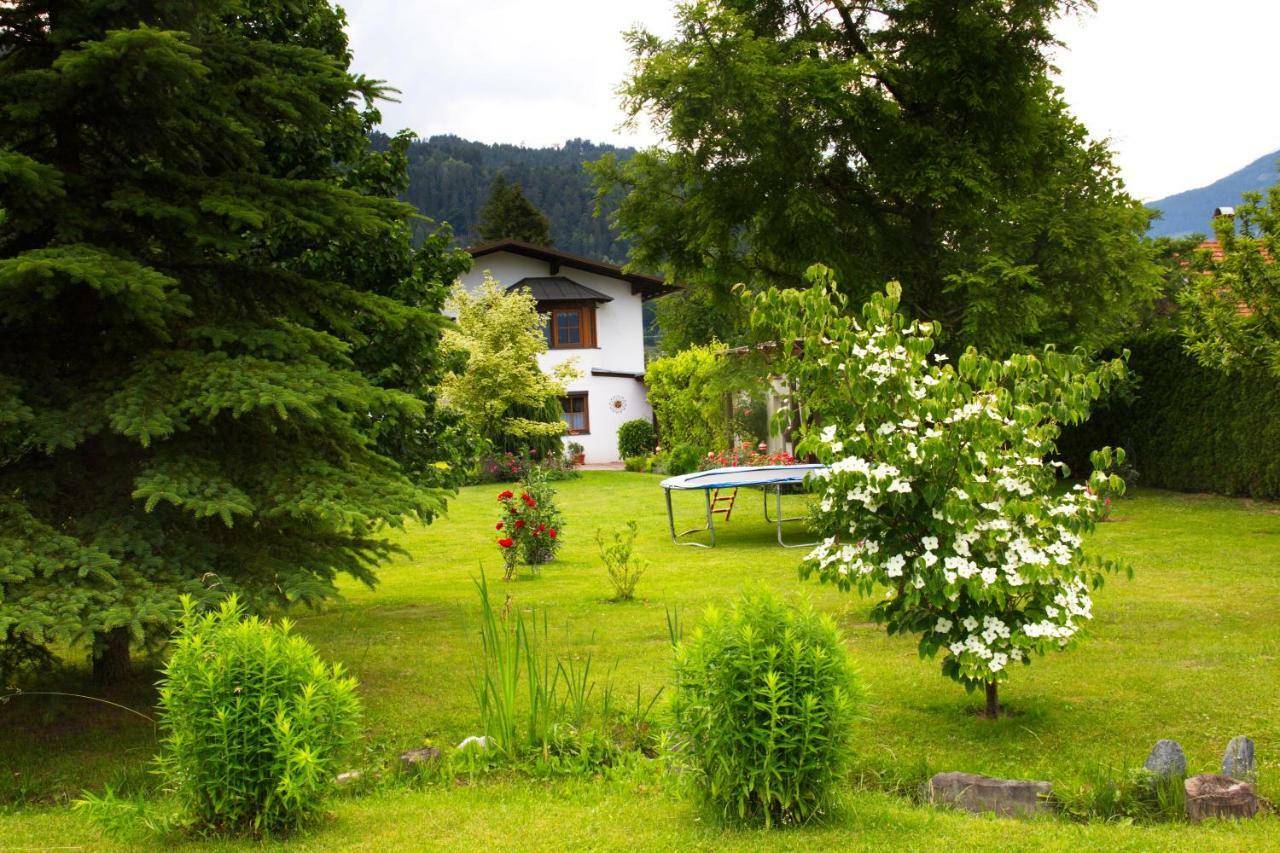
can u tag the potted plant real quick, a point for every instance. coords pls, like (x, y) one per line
(575, 452)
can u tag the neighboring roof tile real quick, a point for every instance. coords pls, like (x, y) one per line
(1213, 247)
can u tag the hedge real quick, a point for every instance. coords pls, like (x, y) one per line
(1188, 427)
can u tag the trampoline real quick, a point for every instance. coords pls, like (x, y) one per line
(763, 477)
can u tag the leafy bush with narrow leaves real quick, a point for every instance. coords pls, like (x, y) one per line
(765, 698)
(636, 438)
(617, 552)
(254, 722)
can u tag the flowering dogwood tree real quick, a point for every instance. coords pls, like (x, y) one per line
(940, 490)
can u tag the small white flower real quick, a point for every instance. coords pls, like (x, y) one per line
(893, 568)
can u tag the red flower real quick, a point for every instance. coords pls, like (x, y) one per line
(507, 494)
(515, 510)
(519, 523)
(499, 527)
(528, 501)
(552, 533)
(541, 527)
(506, 543)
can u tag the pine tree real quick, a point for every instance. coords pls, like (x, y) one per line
(215, 337)
(509, 215)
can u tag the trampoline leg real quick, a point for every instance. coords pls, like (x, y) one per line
(778, 492)
(710, 525)
(711, 519)
(671, 519)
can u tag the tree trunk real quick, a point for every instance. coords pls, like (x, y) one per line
(111, 656)
(993, 706)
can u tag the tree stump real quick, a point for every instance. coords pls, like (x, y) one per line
(1211, 795)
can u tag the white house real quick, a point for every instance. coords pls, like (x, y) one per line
(594, 315)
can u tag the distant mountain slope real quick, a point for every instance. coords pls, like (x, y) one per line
(450, 177)
(1189, 212)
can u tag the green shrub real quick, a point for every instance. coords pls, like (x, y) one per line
(254, 722)
(617, 552)
(687, 392)
(638, 464)
(683, 459)
(636, 438)
(765, 698)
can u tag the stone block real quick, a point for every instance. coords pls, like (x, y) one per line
(1167, 760)
(975, 793)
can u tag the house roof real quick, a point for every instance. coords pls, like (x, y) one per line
(646, 286)
(1214, 248)
(557, 288)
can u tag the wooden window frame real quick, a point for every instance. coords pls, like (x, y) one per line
(586, 412)
(586, 312)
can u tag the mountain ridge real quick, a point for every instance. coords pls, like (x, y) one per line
(1191, 211)
(450, 178)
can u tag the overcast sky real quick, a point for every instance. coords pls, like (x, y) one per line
(1182, 87)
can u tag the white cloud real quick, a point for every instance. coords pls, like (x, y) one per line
(1180, 86)
(535, 73)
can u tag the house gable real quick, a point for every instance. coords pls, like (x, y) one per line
(596, 319)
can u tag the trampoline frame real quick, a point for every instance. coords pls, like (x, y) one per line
(710, 526)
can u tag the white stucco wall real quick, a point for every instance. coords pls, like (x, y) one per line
(619, 333)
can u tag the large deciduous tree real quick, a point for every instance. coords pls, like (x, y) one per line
(215, 335)
(914, 140)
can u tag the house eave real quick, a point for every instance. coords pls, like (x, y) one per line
(645, 286)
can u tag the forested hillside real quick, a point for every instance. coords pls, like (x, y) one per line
(1191, 211)
(450, 177)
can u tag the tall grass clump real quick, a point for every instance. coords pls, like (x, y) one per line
(253, 723)
(541, 710)
(765, 700)
(517, 689)
(1124, 795)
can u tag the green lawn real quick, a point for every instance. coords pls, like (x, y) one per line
(1189, 649)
